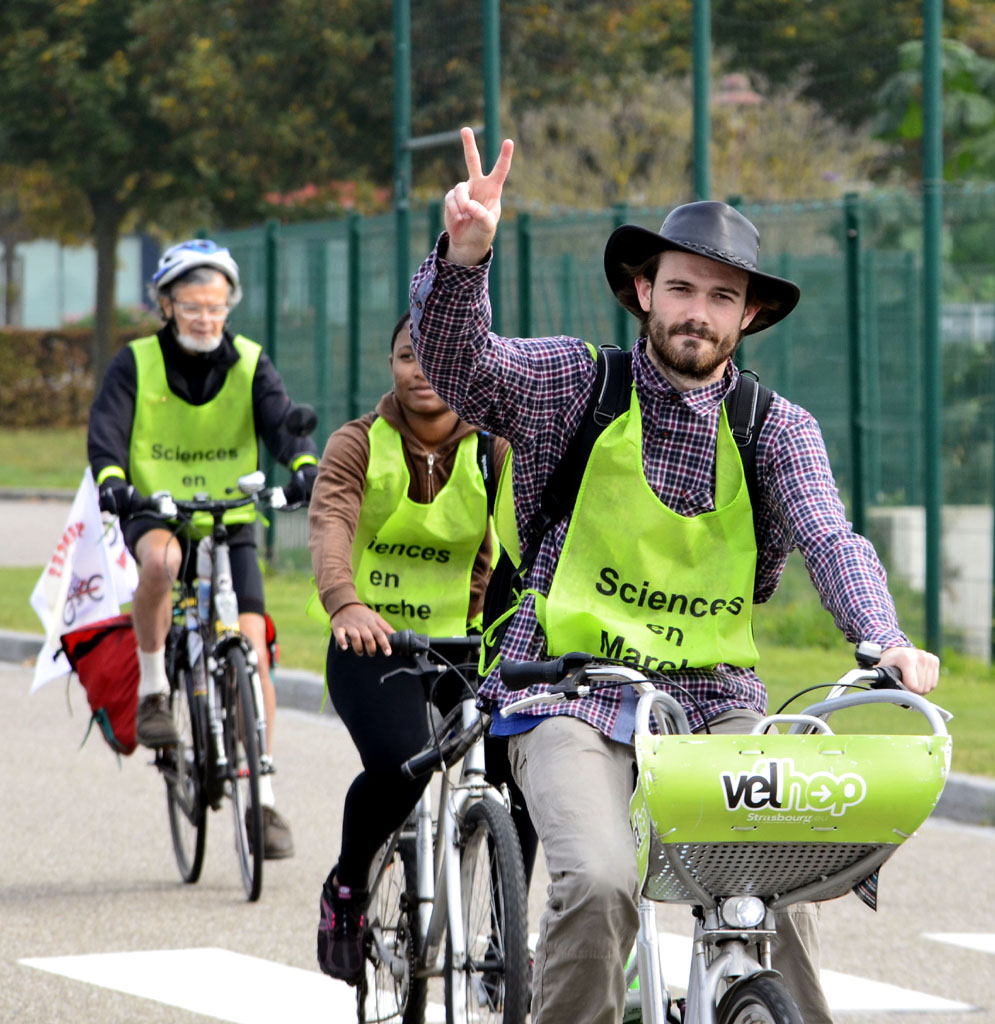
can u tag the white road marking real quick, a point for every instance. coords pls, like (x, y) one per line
(981, 941)
(216, 983)
(848, 992)
(845, 992)
(249, 990)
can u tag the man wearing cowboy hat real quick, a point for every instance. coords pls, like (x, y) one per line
(662, 534)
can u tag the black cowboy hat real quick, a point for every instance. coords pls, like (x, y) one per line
(711, 229)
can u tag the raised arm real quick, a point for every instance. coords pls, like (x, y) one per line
(473, 207)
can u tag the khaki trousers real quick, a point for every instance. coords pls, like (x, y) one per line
(577, 784)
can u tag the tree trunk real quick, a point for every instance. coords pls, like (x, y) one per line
(11, 283)
(106, 231)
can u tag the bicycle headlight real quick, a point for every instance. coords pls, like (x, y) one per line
(743, 911)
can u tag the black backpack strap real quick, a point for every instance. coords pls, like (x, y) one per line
(746, 408)
(609, 399)
(485, 459)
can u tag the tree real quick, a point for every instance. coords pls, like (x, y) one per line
(767, 144)
(845, 49)
(968, 110)
(183, 112)
(69, 101)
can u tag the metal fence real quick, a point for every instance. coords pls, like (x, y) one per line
(322, 297)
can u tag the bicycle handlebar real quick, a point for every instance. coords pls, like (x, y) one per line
(162, 503)
(456, 740)
(520, 675)
(577, 674)
(408, 642)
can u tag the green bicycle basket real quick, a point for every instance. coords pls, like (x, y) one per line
(783, 817)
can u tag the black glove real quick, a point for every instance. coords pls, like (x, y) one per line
(116, 496)
(301, 484)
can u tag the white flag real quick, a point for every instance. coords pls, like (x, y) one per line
(124, 569)
(88, 577)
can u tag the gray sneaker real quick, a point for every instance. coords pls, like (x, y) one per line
(278, 842)
(154, 725)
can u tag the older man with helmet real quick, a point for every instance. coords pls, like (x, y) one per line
(172, 400)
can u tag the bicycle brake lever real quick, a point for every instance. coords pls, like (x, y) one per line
(422, 667)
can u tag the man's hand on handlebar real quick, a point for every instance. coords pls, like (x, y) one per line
(920, 669)
(361, 628)
(116, 496)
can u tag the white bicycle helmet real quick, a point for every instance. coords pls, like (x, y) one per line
(196, 252)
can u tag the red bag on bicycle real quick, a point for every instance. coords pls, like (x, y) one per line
(104, 656)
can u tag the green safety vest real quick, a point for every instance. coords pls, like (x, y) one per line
(189, 449)
(664, 591)
(413, 562)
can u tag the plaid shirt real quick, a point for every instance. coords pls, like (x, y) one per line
(534, 391)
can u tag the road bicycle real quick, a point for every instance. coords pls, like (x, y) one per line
(447, 893)
(215, 693)
(740, 826)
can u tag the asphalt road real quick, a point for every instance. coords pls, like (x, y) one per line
(95, 925)
(31, 528)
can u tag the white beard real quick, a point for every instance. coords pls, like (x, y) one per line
(194, 345)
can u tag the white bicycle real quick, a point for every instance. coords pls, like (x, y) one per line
(739, 826)
(448, 895)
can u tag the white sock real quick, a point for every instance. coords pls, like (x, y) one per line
(266, 798)
(152, 665)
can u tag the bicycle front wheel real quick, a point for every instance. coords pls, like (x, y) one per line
(759, 1001)
(244, 768)
(493, 977)
(183, 766)
(390, 990)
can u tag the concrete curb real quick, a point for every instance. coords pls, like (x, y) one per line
(36, 494)
(969, 799)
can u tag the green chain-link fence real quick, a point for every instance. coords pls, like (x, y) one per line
(322, 298)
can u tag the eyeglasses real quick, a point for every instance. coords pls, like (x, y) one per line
(192, 309)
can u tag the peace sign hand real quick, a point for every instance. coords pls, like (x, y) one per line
(473, 207)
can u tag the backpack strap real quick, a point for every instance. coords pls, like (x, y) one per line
(485, 459)
(746, 408)
(609, 399)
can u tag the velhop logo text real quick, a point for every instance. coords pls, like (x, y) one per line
(774, 785)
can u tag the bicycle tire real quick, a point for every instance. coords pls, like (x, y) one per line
(244, 768)
(390, 990)
(184, 772)
(494, 910)
(758, 1001)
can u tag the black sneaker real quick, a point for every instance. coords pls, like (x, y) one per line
(340, 932)
(154, 726)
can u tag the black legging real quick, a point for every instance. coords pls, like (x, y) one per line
(388, 724)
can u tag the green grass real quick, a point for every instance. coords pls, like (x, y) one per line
(43, 459)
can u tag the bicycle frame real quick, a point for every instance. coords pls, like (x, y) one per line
(438, 862)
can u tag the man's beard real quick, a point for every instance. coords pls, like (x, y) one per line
(696, 363)
(198, 346)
